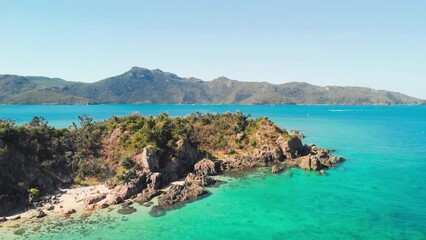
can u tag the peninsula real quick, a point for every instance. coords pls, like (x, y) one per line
(135, 158)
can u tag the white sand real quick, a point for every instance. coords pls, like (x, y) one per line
(72, 198)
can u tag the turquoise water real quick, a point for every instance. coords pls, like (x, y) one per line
(378, 193)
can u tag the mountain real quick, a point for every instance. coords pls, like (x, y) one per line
(140, 85)
(36, 90)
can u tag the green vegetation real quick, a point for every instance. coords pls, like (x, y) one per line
(34, 192)
(90, 152)
(141, 85)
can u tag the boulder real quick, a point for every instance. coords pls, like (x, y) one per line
(331, 161)
(103, 205)
(154, 180)
(132, 187)
(68, 212)
(94, 198)
(315, 163)
(310, 163)
(126, 210)
(291, 148)
(206, 167)
(181, 193)
(3, 219)
(40, 214)
(90, 207)
(201, 180)
(150, 159)
(277, 169)
(305, 163)
(186, 156)
(147, 195)
(114, 199)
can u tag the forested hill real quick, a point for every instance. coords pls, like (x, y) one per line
(140, 85)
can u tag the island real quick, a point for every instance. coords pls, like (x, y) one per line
(135, 158)
(144, 86)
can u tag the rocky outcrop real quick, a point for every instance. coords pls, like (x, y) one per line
(201, 180)
(187, 156)
(277, 168)
(181, 193)
(309, 163)
(291, 148)
(132, 187)
(317, 159)
(94, 198)
(147, 195)
(183, 162)
(207, 167)
(150, 159)
(154, 180)
(68, 212)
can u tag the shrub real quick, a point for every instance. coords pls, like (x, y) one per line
(34, 191)
(128, 163)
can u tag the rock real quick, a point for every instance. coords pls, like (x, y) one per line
(336, 159)
(291, 148)
(90, 207)
(206, 167)
(331, 161)
(94, 198)
(310, 163)
(67, 213)
(315, 163)
(103, 205)
(181, 193)
(187, 154)
(50, 208)
(147, 195)
(15, 218)
(126, 210)
(40, 214)
(150, 159)
(321, 172)
(19, 232)
(3, 219)
(154, 180)
(277, 169)
(305, 163)
(126, 204)
(114, 199)
(201, 180)
(132, 187)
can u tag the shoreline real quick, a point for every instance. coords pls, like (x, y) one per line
(70, 201)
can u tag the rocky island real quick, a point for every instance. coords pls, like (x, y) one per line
(136, 158)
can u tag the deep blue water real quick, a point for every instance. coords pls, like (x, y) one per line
(378, 193)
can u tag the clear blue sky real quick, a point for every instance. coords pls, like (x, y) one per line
(372, 43)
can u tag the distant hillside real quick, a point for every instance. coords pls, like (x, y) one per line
(140, 85)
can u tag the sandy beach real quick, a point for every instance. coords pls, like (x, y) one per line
(68, 201)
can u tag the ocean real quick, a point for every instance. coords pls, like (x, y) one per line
(378, 193)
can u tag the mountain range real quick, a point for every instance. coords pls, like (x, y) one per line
(144, 86)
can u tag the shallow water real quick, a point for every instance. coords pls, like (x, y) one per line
(378, 193)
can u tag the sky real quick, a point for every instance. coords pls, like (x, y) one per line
(371, 43)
